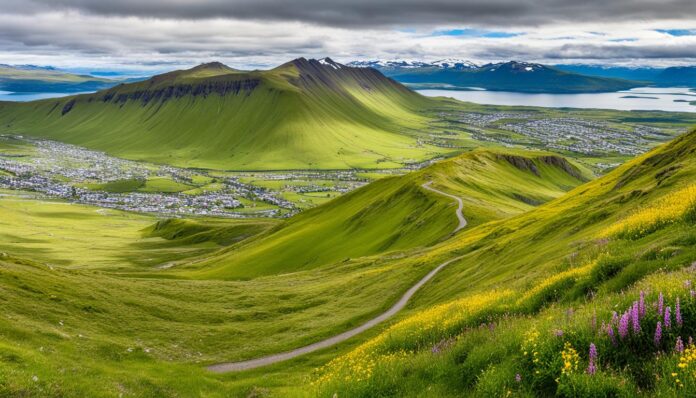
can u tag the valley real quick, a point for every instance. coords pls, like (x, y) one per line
(321, 230)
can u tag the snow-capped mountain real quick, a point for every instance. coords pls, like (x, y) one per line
(449, 63)
(453, 63)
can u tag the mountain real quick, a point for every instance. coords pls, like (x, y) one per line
(449, 63)
(678, 76)
(506, 76)
(672, 76)
(302, 114)
(31, 78)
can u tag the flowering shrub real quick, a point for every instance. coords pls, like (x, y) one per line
(666, 210)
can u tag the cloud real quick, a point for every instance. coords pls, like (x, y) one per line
(164, 34)
(371, 13)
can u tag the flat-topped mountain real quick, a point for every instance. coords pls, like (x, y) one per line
(303, 114)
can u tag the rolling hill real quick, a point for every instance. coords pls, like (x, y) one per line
(302, 114)
(533, 278)
(397, 213)
(36, 79)
(506, 76)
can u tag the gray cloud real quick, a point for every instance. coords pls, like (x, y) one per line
(381, 12)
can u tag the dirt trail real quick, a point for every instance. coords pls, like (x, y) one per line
(284, 356)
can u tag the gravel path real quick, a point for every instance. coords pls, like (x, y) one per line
(284, 356)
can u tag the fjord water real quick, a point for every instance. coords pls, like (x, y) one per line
(674, 99)
(23, 97)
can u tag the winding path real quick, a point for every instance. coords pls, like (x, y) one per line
(284, 356)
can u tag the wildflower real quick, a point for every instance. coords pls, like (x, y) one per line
(668, 318)
(614, 318)
(660, 304)
(623, 326)
(679, 347)
(518, 378)
(635, 317)
(687, 284)
(658, 333)
(570, 359)
(677, 313)
(558, 332)
(592, 367)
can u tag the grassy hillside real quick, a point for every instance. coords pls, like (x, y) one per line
(303, 114)
(541, 281)
(72, 235)
(535, 291)
(397, 213)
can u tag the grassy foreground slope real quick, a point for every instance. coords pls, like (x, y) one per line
(80, 236)
(303, 114)
(396, 213)
(535, 293)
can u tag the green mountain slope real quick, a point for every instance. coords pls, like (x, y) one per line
(303, 114)
(397, 213)
(529, 287)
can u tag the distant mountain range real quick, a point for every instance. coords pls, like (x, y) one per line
(300, 115)
(47, 79)
(504, 76)
(672, 76)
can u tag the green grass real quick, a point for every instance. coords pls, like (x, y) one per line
(100, 333)
(118, 186)
(74, 235)
(396, 213)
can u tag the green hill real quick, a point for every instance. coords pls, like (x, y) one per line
(303, 114)
(533, 292)
(530, 290)
(35, 79)
(397, 213)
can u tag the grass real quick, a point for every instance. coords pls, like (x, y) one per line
(456, 351)
(64, 234)
(91, 332)
(394, 214)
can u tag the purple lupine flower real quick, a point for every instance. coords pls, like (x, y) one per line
(660, 304)
(623, 325)
(679, 347)
(677, 313)
(641, 304)
(635, 318)
(687, 284)
(693, 293)
(558, 332)
(658, 333)
(614, 318)
(610, 333)
(668, 318)
(518, 378)
(592, 368)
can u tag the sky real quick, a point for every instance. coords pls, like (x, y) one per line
(156, 35)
